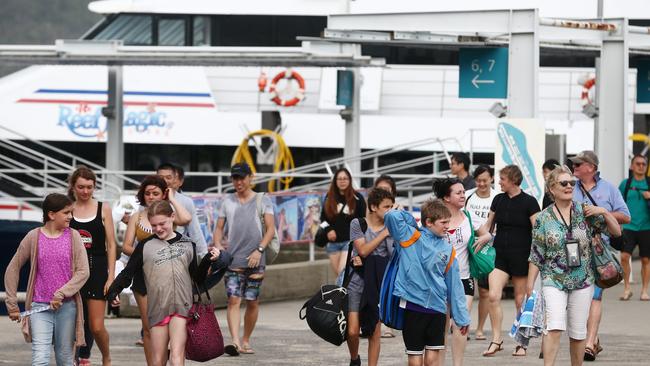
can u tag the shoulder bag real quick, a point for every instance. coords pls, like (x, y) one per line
(273, 248)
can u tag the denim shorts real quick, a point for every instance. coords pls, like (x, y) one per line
(341, 246)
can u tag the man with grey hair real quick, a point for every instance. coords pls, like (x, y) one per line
(593, 190)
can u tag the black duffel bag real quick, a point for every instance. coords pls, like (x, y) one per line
(327, 311)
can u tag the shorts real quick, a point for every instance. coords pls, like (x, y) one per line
(512, 262)
(598, 293)
(341, 246)
(634, 238)
(483, 283)
(468, 286)
(168, 318)
(94, 286)
(354, 300)
(568, 310)
(138, 285)
(423, 331)
(239, 283)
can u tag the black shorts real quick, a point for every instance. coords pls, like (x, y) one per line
(423, 331)
(634, 238)
(512, 262)
(94, 286)
(468, 286)
(138, 286)
(483, 283)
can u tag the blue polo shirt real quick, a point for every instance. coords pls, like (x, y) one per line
(605, 194)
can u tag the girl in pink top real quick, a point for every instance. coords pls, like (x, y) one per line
(59, 268)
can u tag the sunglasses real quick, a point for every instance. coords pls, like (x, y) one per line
(565, 183)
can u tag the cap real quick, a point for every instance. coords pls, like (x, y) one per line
(586, 156)
(240, 170)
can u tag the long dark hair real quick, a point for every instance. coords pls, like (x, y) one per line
(54, 202)
(333, 192)
(442, 187)
(150, 180)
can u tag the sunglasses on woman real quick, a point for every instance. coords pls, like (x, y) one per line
(565, 183)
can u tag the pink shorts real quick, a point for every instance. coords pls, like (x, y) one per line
(168, 318)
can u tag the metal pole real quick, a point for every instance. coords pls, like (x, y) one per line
(115, 119)
(353, 129)
(312, 252)
(612, 89)
(523, 69)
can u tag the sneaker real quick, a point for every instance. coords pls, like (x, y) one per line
(356, 362)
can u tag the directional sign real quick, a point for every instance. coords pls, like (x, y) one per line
(483, 73)
(643, 82)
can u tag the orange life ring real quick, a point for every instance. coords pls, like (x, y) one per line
(584, 97)
(289, 74)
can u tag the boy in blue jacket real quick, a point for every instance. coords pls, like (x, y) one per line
(427, 280)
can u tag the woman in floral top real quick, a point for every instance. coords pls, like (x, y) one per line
(561, 252)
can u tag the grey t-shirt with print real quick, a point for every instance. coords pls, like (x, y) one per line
(243, 227)
(384, 249)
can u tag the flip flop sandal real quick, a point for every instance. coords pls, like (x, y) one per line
(231, 350)
(590, 355)
(626, 296)
(516, 352)
(499, 347)
(480, 337)
(388, 334)
(247, 350)
(644, 298)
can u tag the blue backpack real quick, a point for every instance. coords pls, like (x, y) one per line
(390, 313)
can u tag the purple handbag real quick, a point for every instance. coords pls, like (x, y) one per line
(204, 338)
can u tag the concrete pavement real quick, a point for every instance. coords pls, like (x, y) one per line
(282, 339)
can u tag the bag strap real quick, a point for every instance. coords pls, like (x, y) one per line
(363, 224)
(194, 284)
(346, 274)
(628, 184)
(467, 199)
(586, 193)
(470, 243)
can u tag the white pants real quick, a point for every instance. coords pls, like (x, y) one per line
(570, 307)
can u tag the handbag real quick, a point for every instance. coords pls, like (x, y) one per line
(204, 338)
(327, 311)
(481, 263)
(273, 248)
(607, 269)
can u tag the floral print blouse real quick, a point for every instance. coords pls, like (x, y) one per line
(548, 251)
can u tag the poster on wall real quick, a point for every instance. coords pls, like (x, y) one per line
(522, 142)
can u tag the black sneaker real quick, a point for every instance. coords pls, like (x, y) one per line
(356, 362)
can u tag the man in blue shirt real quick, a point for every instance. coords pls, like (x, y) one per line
(593, 190)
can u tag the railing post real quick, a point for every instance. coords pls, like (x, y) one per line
(219, 183)
(410, 197)
(312, 251)
(375, 166)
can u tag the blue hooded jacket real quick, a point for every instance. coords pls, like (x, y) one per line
(428, 273)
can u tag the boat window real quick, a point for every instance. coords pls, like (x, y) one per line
(201, 31)
(131, 29)
(171, 32)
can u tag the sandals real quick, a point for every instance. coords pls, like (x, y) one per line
(516, 352)
(644, 297)
(590, 354)
(247, 350)
(388, 334)
(626, 296)
(499, 347)
(480, 337)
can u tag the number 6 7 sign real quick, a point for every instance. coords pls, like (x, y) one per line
(483, 73)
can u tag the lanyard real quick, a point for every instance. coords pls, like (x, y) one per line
(568, 227)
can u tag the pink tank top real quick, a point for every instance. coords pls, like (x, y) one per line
(54, 265)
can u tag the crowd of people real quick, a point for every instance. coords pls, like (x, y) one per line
(545, 249)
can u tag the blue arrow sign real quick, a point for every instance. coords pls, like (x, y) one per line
(483, 73)
(643, 82)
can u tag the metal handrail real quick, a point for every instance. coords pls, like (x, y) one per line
(75, 158)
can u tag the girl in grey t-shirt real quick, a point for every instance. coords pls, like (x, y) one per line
(374, 241)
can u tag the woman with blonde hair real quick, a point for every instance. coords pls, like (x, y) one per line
(561, 254)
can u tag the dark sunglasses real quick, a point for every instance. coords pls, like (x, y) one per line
(565, 183)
